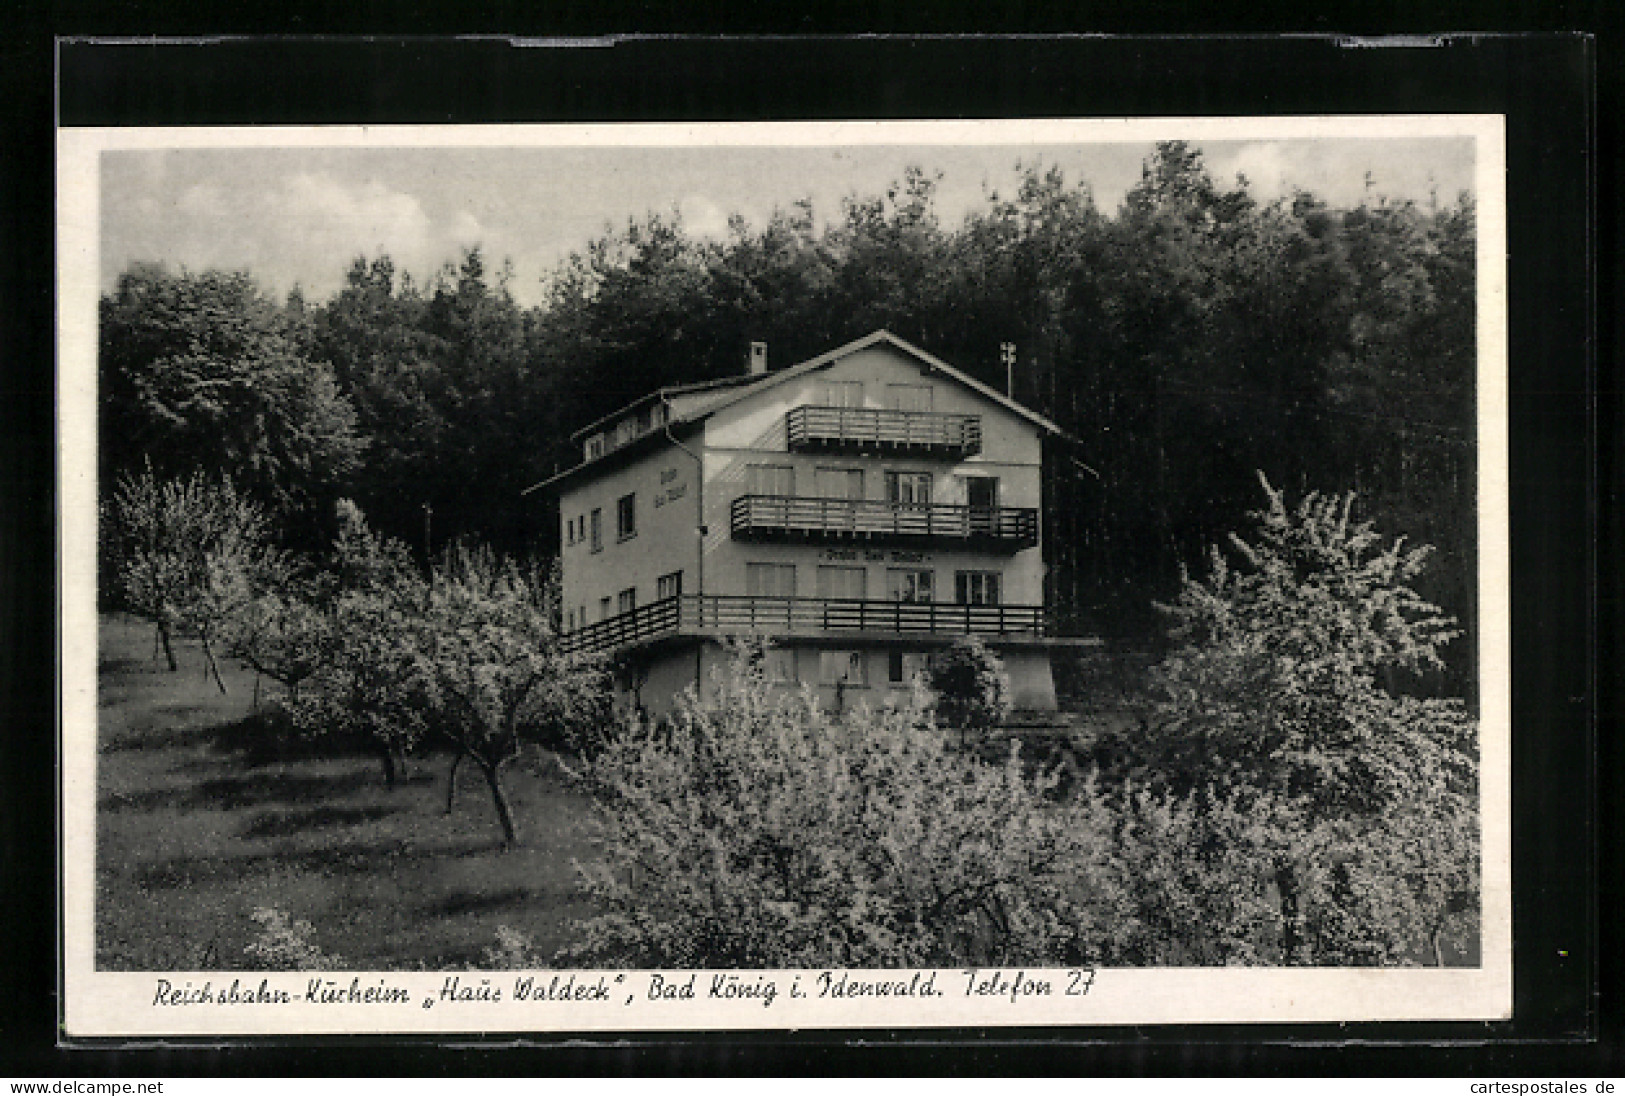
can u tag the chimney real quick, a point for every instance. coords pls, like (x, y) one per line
(758, 359)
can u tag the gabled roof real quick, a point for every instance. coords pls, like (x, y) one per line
(665, 393)
(933, 363)
(732, 390)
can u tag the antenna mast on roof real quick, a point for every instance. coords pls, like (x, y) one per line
(1007, 354)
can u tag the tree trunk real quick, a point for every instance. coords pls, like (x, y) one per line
(1292, 943)
(451, 779)
(386, 757)
(210, 666)
(499, 798)
(169, 650)
(1438, 948)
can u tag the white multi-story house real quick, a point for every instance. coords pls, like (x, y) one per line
(860, 510)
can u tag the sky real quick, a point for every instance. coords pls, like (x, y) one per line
(299, 216)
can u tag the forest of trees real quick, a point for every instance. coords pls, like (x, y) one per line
(1187, 341)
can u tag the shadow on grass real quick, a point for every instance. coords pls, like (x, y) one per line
(292, 823)
(228, 793)
(118, 664)
(266, 736)
(193, 871)
(184, 726)
(465, 903)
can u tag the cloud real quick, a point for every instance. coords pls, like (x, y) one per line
(702, 217)
(1265, 167)
(466, 229)
(346, 218)
(203, 200)
(302, 227)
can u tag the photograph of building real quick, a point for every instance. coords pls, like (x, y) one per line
(818, 552)
(858, 511)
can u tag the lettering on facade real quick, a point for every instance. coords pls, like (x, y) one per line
(672, 488)
(871, 555)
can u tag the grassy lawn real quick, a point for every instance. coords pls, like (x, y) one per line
(200, 822)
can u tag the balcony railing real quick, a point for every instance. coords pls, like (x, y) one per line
(793, 518)
(722, 615)
(868, 429)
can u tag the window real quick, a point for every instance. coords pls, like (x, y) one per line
(779, 665)
(603, 609)
(903, 667)
(908, 397)
(840, 483)
(669, 586)
(597, 530)
(909, 585)
(976, 587)
(569, 532)
(841, 393)
(841, 582)
(581, 616)
(770, 579)
(569, 620)
(595, 446)
(626, 600)
(841, 667)
(581, 527)
(908, 488)
(981, 492)
(770, 479)
(626, 517)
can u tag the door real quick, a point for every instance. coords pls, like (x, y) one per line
(982, 496)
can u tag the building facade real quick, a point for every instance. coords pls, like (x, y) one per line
(860, 511)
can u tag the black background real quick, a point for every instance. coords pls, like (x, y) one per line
(1562, 165)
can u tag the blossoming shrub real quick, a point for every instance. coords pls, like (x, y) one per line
(971, 688)
(282, 943)
(756, 830)
(1334, 815)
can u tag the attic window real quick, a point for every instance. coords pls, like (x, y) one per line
(595, 446)
(841, 393)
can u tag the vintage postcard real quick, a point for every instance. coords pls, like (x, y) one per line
(616, 578)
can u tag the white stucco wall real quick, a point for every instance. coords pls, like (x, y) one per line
(753, 432)
(666, 487)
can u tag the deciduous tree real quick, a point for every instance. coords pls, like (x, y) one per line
(494, 678)
(189, 553)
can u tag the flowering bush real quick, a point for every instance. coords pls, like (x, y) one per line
(760, 831)
(971, 687)
(285, 944)
(1276, 734)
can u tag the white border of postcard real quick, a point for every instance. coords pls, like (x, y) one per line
(98, 1003)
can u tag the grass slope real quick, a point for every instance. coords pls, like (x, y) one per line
(199, 822)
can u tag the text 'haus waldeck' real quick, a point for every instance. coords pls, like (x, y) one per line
(859, 511)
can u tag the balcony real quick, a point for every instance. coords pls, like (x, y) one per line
(713, 616)
(794, 519)
(872, 430)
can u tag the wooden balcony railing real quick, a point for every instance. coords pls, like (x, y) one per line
(794, 518)
(724, 615)
(870, 429)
